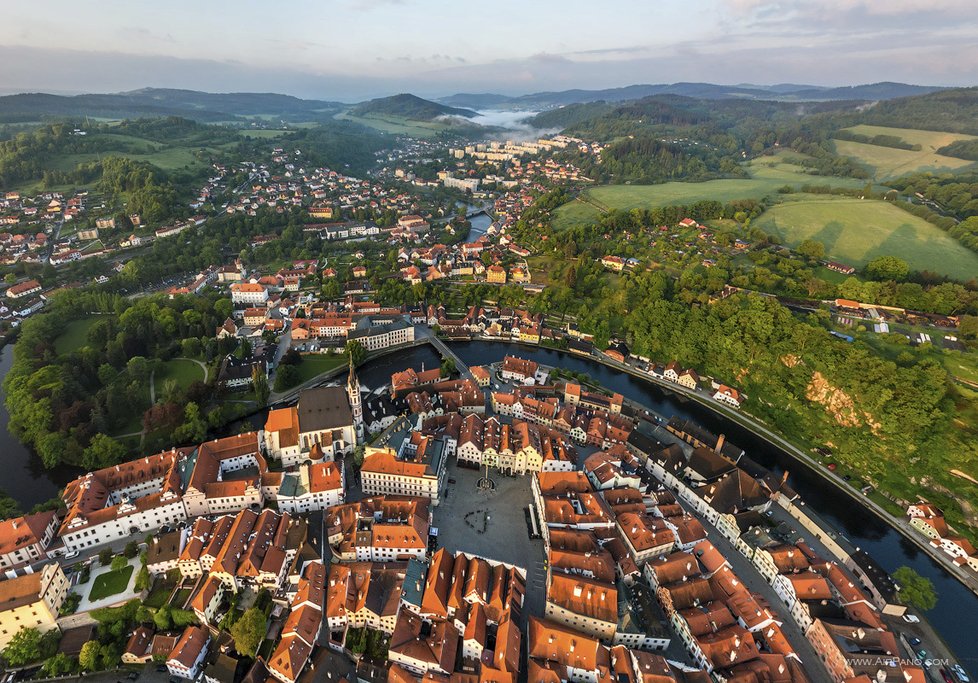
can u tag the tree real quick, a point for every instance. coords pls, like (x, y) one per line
(286, 377)
(260, 383)
(119, 562)
(447, 367)
(915, 590)
(194, 427)
(105, 556)
(888, 268)
(249, 632)
(24, 647)
(163, 618)
(356, 352)
(811, 250)
(58, 665)
(143, 580)
(131, 549)
(88, 658)
(103, 451)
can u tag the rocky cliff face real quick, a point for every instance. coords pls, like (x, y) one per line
(838, 403)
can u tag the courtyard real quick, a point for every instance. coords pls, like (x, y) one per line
(492, 524)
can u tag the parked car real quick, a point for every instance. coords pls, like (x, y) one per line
(960, 673)
(71, 555)
(832, 466)
(911, 619)
(946, 676)
(914, 642)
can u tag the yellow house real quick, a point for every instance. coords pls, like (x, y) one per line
(530, 334)
(321, 211)
(31, 601)
(496, 274)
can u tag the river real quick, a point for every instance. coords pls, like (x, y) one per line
(956, 613)
(480, 223)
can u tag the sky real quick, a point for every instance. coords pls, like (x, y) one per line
(349, 50)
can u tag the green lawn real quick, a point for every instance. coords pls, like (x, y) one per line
(110, 583)
(856, 231)
(75, 335)
(314, 364)
(184, 372)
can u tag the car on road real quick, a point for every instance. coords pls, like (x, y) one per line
(946, 676)
(71, 555)
(832, 466)
(451, 481)
(960, 673)
(922, 654)
(911, 619)
(914, 642)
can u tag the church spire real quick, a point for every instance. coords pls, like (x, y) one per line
(353, 392)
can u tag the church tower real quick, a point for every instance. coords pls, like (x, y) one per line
(353, 392)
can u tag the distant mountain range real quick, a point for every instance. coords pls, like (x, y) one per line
(708, 91)
(220, 107)
(409, 107)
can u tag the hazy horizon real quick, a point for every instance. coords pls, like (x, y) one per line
(350, 50)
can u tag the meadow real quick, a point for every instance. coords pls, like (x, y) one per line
(890, 162)
(929, 140)
(855, 231)
(767, 175)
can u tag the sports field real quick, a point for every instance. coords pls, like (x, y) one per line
(767, 176)
(856, 231)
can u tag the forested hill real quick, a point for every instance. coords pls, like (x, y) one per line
(954, 111)
(153, 102)
(409, 106)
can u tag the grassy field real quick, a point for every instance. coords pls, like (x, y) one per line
(856, 231)
(314, 364)
(75, 335)
(110, 583)
(889, 162)
(767, 175)
(183, 372)
(263, 133)
(931, 140)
